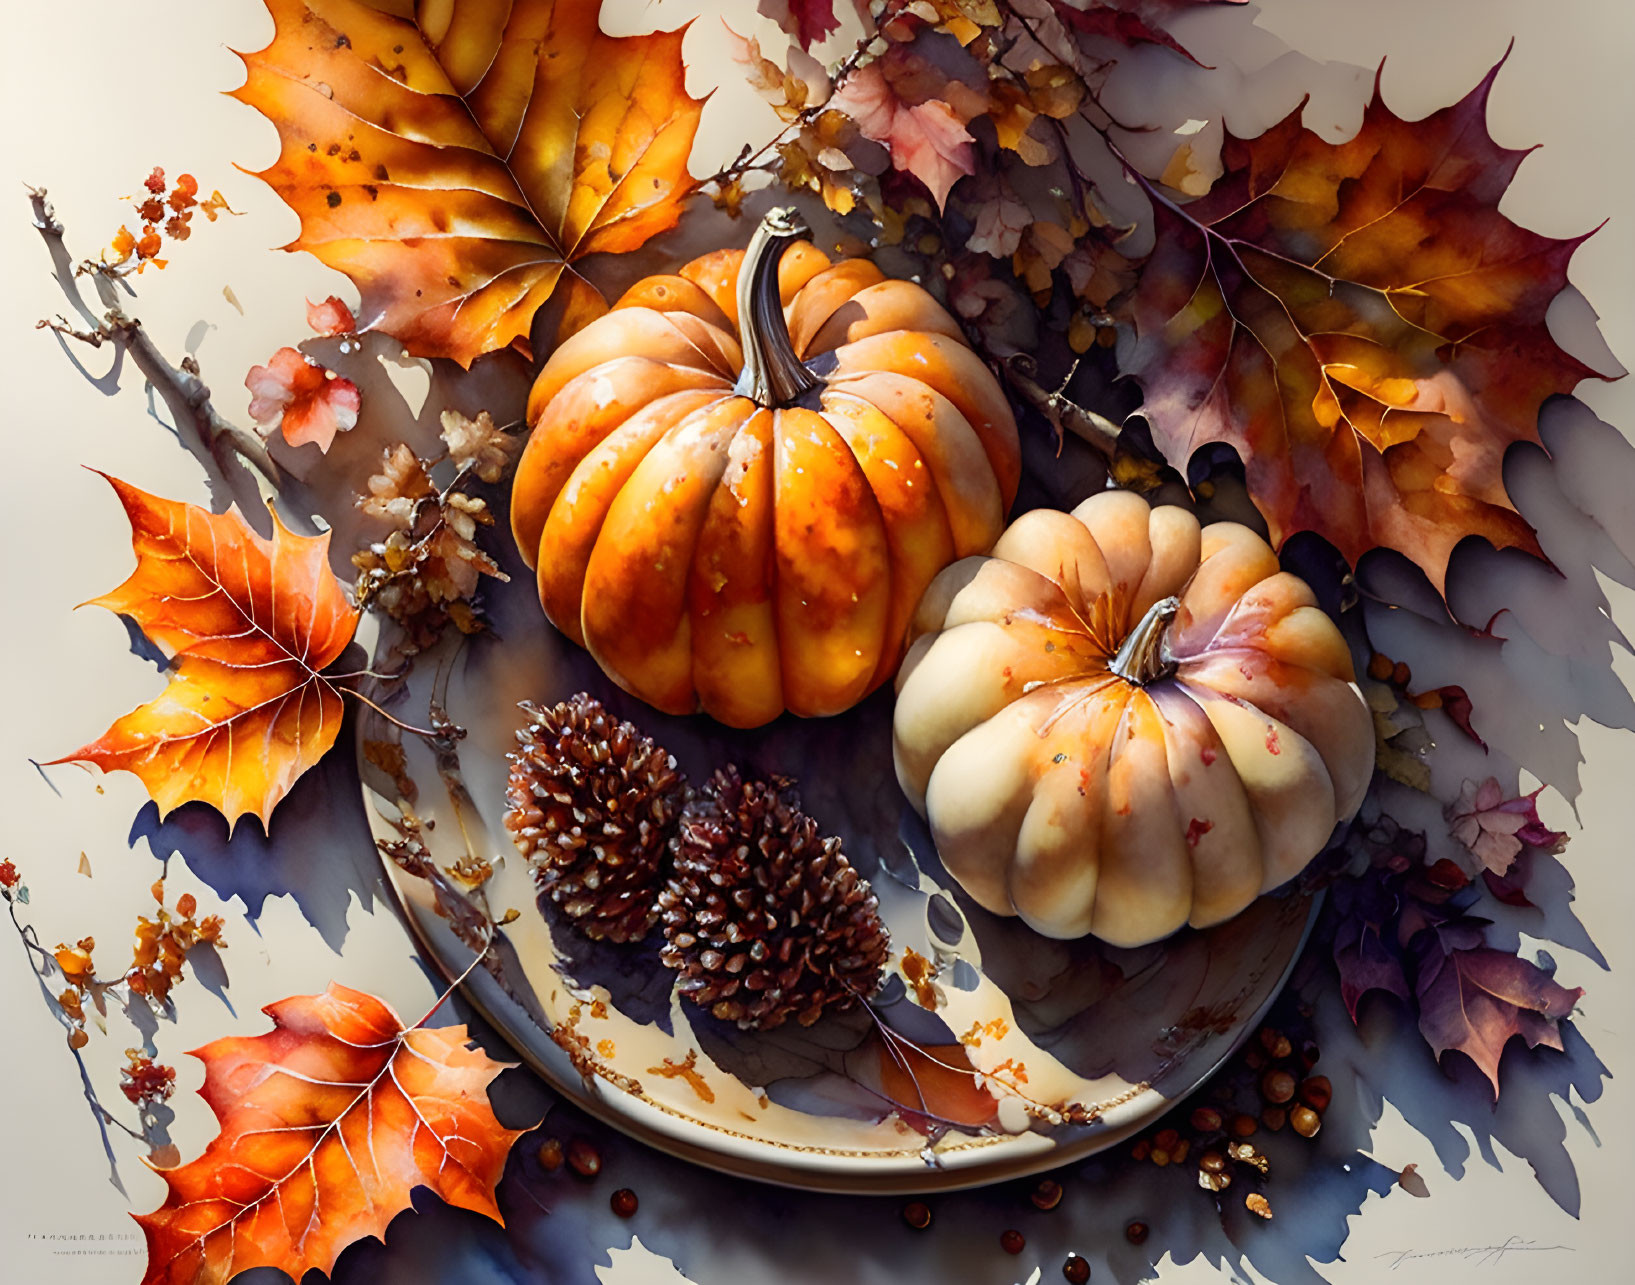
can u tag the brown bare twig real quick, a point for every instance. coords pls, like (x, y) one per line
(184, 391)
(1064, 414)
(750, 159)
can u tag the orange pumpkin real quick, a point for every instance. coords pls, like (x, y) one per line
(743, 477)
(1121, 723)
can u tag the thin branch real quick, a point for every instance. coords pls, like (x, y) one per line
(1064, 414)
(429, 735)
(61, 326)
(99, 1112)
(1082, 183)
(452, 987)
(751, 159)
(184, 391)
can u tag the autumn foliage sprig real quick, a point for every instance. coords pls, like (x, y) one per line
(424, 574)
(1362, 306)
(160, 950)
(161, 216)
(1406, 927)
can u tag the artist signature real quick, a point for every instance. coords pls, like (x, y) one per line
(1479, 1255)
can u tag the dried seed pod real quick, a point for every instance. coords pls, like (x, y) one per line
(584, 1159)
(1317, 1092)
(1012, 1241)
(1141, 1150)
(1275, 1043)
(764, 919)
(623, 1202)
(1076, 1270)
(550, 1155)
(1274, 1118)
(1179, 1154)
(1258, 1204)
(1136, 1233)
(592, 806)
(1159, 1156)
(1206, 1120)
(1046, 1194)
(1212, 1162)
(1166, 1138)
(1243, 1125)
(917, 1214)
(1305, 1121)
(1214, 1181)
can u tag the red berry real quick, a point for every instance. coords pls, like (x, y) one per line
(584, 1159)
(1047, 1194)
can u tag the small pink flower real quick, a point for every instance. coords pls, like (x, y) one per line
(310, 403)
(331, 317)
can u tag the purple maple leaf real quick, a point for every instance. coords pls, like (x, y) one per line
(1474, 1001)
(1367, 962)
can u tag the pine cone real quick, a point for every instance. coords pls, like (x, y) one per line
(764, 919)
(593, 803)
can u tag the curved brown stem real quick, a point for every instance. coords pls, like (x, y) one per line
(1065, 415)
(183, 390)
(1143, 658)
(750, 158)
(773, 375)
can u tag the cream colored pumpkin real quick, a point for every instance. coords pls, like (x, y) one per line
(1121, 723)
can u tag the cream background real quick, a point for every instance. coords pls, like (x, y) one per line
(98, 91)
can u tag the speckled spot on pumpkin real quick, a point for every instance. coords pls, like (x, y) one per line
(1196, 829)
(1272, 747)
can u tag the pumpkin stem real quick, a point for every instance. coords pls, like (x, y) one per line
(1143, 658)
(773, 375)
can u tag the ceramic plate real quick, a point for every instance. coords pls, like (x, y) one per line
(1058, 1029)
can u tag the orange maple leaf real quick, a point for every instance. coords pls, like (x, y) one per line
(249, 625)
(328, 1122)
(456, 165)
(938, 1081)
(1363, 326)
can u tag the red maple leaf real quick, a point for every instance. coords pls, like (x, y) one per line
(810, 22)
(918, 113)
(1130, 22)
(1361, 323)
(328, 1122)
